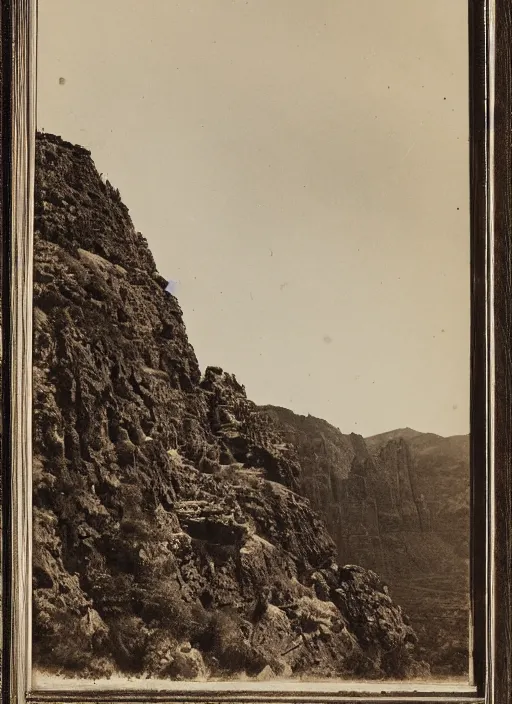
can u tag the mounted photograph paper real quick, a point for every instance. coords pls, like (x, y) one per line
(251, 346)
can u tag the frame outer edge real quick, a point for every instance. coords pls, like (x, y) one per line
(500, 658)
(23, 113)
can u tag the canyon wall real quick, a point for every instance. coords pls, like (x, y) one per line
(397, 503)
(172, 536)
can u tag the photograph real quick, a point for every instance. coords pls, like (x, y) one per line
(251, 344)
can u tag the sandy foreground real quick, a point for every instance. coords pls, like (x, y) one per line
(49, 682)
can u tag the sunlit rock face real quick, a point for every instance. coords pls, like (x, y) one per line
(171, 535)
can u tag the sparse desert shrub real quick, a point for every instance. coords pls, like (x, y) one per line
(68, 650)
(99, 668)
(360, 665)
(71, 643)
(128, 642)
(111, 593)
(226, 647)
(399, 663)
(162, 602)
(160, 649)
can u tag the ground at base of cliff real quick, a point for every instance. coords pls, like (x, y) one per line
(44, 681)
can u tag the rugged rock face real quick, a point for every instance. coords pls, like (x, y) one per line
(170, 537)
(400, 503)
(439, 471)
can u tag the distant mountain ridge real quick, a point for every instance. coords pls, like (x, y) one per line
(404, 433)
(398, 503)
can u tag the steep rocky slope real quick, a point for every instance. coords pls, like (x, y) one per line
(170, 538)
(400, 503)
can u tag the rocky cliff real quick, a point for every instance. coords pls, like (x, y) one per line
(171, 538)
(400, 503)
(439, 471)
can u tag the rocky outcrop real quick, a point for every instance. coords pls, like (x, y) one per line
(170, 535)
(397, 503)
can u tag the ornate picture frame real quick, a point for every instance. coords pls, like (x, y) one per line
(490, 70)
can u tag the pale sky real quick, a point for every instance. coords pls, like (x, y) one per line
(300, 167)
